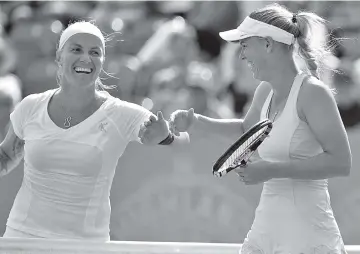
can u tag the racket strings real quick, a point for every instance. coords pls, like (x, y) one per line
(240, 153)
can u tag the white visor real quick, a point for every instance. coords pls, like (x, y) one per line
(80, 27)
(251, 27)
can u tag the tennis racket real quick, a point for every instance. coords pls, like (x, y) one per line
(240, 152)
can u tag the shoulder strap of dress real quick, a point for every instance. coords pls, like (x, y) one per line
(265, 109)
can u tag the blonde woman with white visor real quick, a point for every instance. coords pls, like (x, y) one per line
(71, 139)
(308, 143)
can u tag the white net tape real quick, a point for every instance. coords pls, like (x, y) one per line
(41, 246)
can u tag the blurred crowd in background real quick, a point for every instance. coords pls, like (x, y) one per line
(166, 55)
(163, 55)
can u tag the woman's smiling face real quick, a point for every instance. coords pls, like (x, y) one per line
(81, 59)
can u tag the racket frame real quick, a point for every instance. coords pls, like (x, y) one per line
(242, 160)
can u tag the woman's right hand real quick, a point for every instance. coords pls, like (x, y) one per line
(181, 121)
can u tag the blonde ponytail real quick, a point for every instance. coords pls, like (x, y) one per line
(311, 41)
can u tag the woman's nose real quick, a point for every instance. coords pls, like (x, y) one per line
(85, 58)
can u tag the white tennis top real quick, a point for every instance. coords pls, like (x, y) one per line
(293, 216)
(68, 172)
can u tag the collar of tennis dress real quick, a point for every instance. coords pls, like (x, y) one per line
(251, 27)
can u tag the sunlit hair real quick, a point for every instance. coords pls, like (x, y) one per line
(98, 83)
(308, 29)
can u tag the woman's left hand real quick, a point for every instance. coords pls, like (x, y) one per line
(255, 172)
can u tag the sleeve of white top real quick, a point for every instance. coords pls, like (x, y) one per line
(130, 119)
(21, 113)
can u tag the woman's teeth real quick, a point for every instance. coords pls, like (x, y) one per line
(83, 70)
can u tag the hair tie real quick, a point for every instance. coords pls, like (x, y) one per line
(294, 20)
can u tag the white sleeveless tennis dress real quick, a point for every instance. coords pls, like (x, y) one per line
(293, 216)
